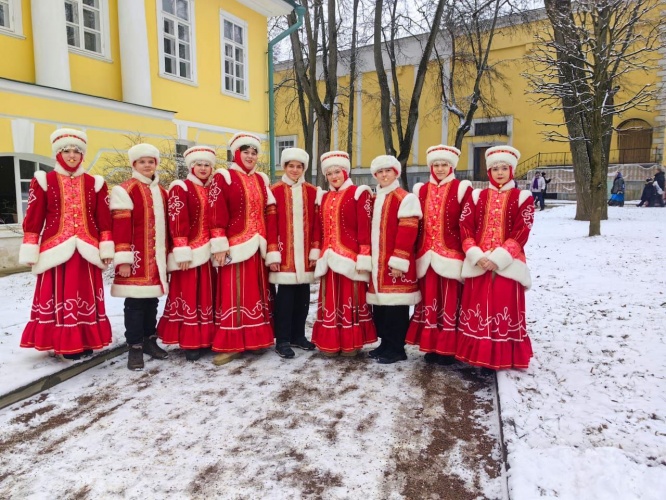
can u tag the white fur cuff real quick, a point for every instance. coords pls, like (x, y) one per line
(364, 263)
(474, 255)
(399, 264)
(501, 257)
(123, 258)
(182, 254)
(106, 250)
(273, 258)
(219, 245)
(314, 254)
(28, 253)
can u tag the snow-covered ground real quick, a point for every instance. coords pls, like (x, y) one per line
(587, 420)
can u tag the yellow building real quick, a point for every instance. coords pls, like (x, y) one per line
(518, 122)
(174, 72)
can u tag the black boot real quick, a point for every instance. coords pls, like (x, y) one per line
(73, 357)
(192, 354)
(432, 358)
(303, 343)
(388, 358)
(284, 351)
(151, 348)
(377, 351)
(135, 357)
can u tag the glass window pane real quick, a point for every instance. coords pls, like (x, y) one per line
(228, 50)
(185, 69)
(25, 189)
(168, 6)
(4, 16)
(44, 167)
(26, 169)
(91, 19)
(183, 32)
(228, 30)
(72, 36)
(228, 83)
(238, 55)
(239, 87)
(71, 13)
(7, 190)
(169, 46)
(92, 41)
(238, 34)
(170, 65)
(168, 27)
(91, 3)
(239, 70)
(183, 9)
(184, 51)
(228, 67)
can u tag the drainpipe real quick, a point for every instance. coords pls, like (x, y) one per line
(300, 11)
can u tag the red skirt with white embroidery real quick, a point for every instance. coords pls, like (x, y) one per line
(492, 329)
(344, 320)
(188, 312)
(242, 307)
(433, 324)
(68, 314)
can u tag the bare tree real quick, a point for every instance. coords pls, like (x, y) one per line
(580, 69)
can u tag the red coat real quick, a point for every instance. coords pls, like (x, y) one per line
(342, 233)
(439, 244)
(239, 204)
(496, 224)
(189, 223)
(71, 213)
(291, 231)
(395, 224)
(139, 229)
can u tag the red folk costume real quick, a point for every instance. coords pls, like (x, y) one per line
(439, 257)
(69, 210)
(496, 224)
(240, 201)
(342, 250)
(188, 314)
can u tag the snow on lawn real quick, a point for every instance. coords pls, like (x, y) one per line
(588, 419)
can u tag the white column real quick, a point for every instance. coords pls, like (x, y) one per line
(49, 37)
(134, 56)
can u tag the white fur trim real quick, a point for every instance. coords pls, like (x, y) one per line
(523, 196)
(40, 175)
(398, 263)
(410, 206)
(393, 299)
(360, 190)
(62, 253)
(199, 153)
(136, 291)
(143, 150)
(273, 258)
(160, 233)
(474, 255)
(219, 244)
(385, 161)
(195, 180)
(99, 182)
(442, 152)
(502, 154)
(178, 182)
(182, 254)
(28, 254)
(335, 159)
(243, 251)
(224, 173)
(443, 266)
(299, 230)
(462, 189)
(375, 234)
(200, 256)
(106, 249)
(501, 257)
(244, 139)
(90, 253)
(320, 196)
(270, 199)
(314, 254)
(64, 137)
(123, 258)
(120, 199)
(417, 188)
(517, 271)
(475, 195)
(364, 263)
(295, 154)
(290, 278)
(339, 264)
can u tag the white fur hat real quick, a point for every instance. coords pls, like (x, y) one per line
(502, 154)
(64, 137)
(295, 154)
(442, 152)
(141, 150)
(335, 159)
(244, 139)
(385, 161)
(199, 153)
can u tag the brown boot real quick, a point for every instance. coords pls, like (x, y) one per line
(151, 348)
(135, 357)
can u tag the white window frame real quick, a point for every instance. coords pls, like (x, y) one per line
(161, 15)
(509, 125)
(105, 54)
(278, 152)
(15, 17)
(225, 16)
(19, 181)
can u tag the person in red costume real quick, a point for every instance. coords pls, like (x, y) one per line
(439, 257)
(495, 226)
(67, 241)
(240, 200)
(341, 248)
(188, 314)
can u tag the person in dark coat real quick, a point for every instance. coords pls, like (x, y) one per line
(660, 179)
(649, 192)
(617, 191)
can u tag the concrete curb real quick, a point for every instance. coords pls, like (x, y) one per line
(54, 379)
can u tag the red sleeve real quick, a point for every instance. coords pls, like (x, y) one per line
(104, 224)
(219, 214)
(272, 223)
(468, 223)
(122, 234)
(522, 225)
(364, 221)
(179, 219)
(405, 237)
(35, 214)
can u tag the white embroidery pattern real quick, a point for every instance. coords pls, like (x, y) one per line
(213, 193)
(467, 210)
(137, 259)
(528, 215)
(175, 206)
(368, 206)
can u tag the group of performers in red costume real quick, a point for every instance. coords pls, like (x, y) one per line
(236, 257)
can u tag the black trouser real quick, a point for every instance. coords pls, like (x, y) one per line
(140, 319)
(290, 311)
(391, 323)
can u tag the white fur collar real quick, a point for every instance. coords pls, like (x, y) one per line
(391, 187)
(146, 180)
(445, 180)
(79, 171)
(344, 186)
(509, 185)
(289, 182)
(238, 168)
(197, 181)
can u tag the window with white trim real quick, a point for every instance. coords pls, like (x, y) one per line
(5, 15)
(234, 55)
(284, 142)
(177, 38)
(15, 177)
(84, 22)
(10, 17)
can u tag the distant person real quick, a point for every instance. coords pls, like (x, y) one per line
(545, 189)
(660, 179)
(649, 193)
(617, 192)
(538, 188)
